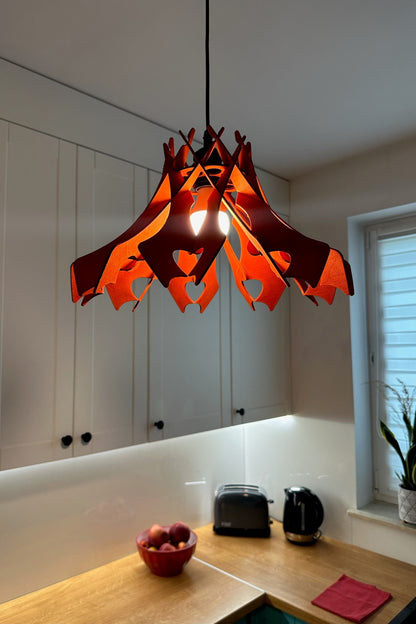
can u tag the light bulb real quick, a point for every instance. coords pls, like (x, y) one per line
(224, 222)
(197, 219)
(199, 211)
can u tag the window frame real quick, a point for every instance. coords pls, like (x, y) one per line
(373, 232)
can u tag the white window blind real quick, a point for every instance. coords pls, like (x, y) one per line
(391, 279)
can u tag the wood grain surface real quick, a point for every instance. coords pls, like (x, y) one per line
(293, 575)
(227, 578)
(126, 592)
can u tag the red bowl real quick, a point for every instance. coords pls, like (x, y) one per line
(166, 562)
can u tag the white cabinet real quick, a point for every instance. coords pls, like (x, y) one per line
(68, 370)
(189, 371)
(65, 370)
(37, 227)
(260, 364)
(205, 367)
(111, 354)
(259, 340)
(185, 367)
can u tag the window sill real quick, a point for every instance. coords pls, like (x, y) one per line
(382, 513)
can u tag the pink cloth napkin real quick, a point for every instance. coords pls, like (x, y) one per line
(351, 599)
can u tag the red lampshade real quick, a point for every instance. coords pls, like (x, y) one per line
(162, 243)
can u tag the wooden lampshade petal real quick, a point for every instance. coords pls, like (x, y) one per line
(252, 265)
(178, 285)
(122, 290)
(162, 244)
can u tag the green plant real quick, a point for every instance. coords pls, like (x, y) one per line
(406, 401)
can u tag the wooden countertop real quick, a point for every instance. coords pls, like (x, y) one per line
(126, 592)
(227, 578)
(291, 575)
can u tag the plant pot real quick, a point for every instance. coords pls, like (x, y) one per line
(407, 505)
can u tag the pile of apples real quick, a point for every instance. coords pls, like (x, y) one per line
(161, 538)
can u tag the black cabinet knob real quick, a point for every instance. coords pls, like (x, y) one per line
(66, 440)
(241, 411)
(86, 437)
(159, 424)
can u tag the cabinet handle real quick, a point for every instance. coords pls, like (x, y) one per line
(86, 437)
(240, 411)
(66, 440)
(159, 424)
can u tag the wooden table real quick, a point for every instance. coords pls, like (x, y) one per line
(228, 578)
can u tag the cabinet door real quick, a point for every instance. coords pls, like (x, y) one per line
(260, 359)
(111, 346)
(204, 367)
(185, 364)
(37, 222)
(185, 367)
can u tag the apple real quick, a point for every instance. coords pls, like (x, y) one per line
(144, 543)
(179, 532)
(166, 546)
(157, 535)
(181, 545)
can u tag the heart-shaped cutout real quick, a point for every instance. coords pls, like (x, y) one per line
(253, 287)
(139, 285)
(195, 290)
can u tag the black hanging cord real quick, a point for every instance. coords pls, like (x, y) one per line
(207, 111)
(207, 136)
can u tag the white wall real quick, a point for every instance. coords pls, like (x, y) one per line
(321, 203)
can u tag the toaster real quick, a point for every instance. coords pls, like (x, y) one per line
(241, 510)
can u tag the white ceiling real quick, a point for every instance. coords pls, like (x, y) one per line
(308, 81)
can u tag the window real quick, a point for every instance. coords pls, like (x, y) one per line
(391, 305)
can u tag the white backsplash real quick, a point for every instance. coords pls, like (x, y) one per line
(62, 518)
(295, 450)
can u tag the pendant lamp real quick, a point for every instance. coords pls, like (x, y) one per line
(190, 218)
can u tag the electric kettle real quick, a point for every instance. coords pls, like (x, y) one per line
(302, 516)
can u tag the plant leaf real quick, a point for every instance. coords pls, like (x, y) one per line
(413, 475)
(389, 437)
(409, 427)
(404, 483)
(414, 430)
(411, 465)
